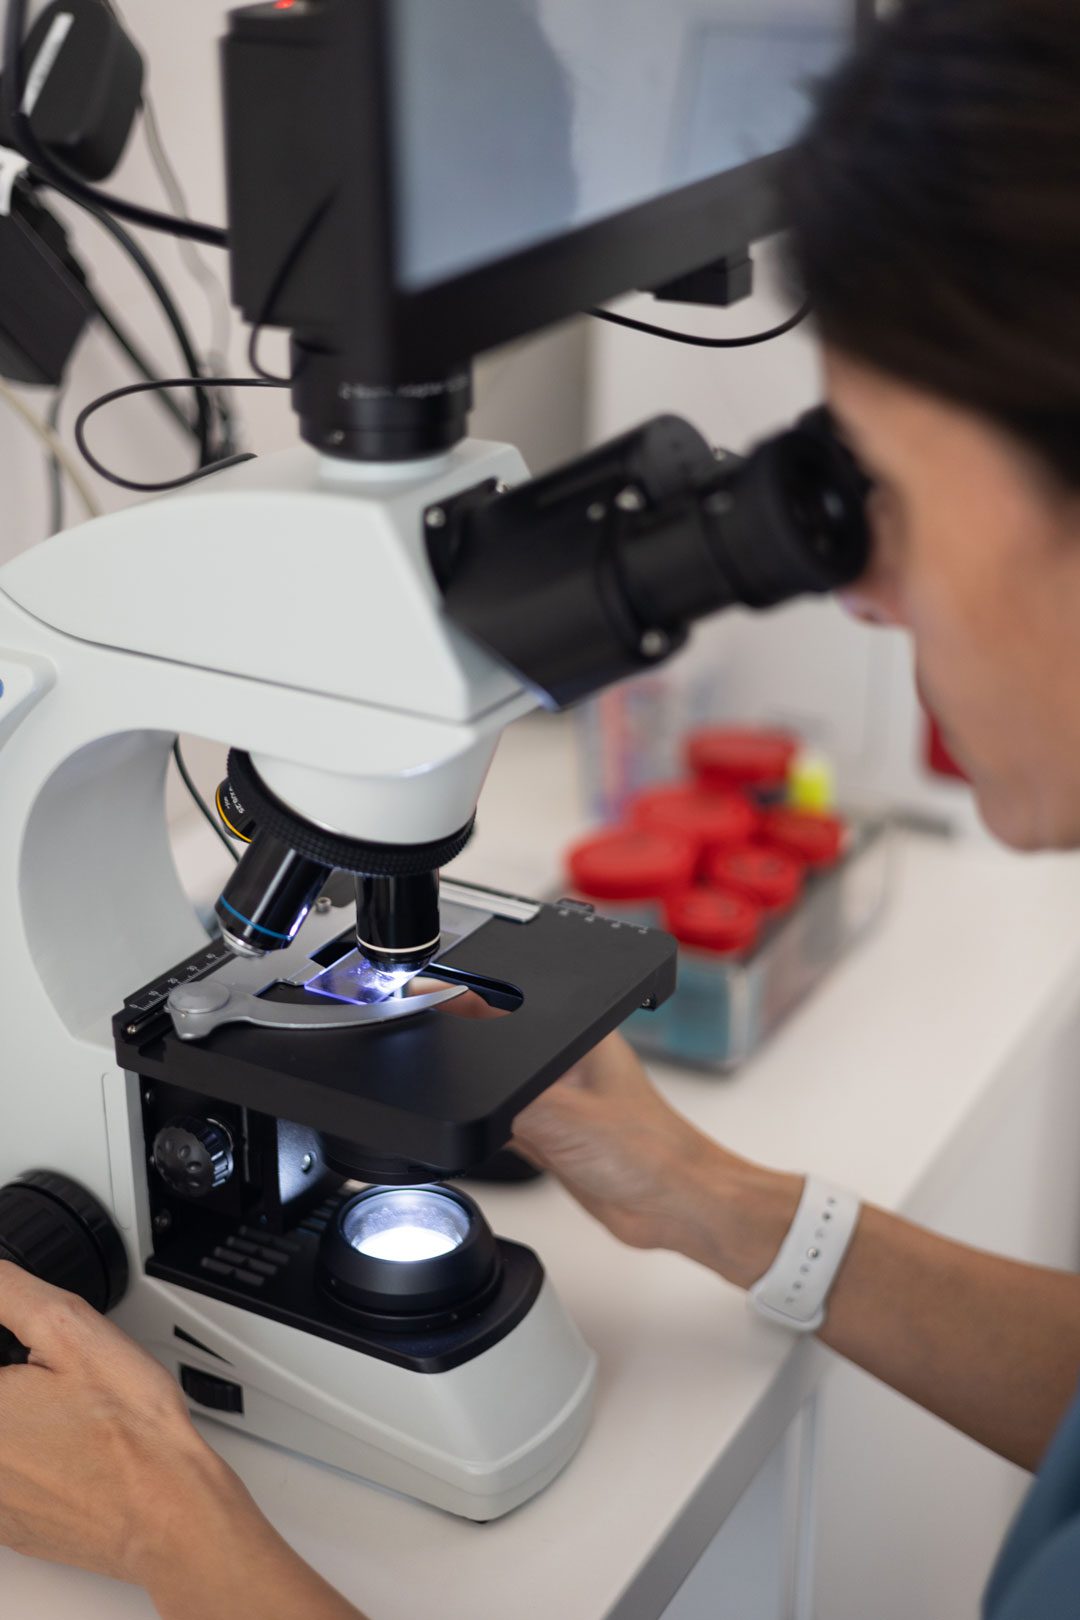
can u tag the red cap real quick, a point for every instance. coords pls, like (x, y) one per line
(631, 864)
(725, 757)
(769, 877)
(711, 920)
(710, 820)
(818, 841)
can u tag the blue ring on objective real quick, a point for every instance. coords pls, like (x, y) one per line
(249, 924)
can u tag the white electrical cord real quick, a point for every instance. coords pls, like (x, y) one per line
(55, 447)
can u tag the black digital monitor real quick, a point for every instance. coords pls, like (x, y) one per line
(507, 163)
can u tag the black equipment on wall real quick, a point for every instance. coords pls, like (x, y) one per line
(44, 302)
(84, 80)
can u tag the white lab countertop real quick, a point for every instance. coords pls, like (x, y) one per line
(878, 1083)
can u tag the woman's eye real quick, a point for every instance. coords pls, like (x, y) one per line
(883, 507)
(884, 511)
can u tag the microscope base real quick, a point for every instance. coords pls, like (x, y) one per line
(476, 1441)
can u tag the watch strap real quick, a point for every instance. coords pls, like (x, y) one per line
(794, 1291)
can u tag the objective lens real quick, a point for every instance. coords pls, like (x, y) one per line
(406, 1226)
(268, 896)
(397, 921)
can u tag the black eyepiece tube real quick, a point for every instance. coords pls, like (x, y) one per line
(596, 572)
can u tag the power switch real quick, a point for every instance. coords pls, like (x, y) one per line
(216, 1394)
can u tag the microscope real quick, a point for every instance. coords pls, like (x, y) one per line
(246, 1144)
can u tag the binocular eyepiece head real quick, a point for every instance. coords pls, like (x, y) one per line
(597, 572)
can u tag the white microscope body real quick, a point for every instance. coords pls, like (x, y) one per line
(286, 608)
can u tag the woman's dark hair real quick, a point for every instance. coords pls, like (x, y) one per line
(936, 209)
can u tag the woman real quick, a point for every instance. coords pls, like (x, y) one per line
(937, 209)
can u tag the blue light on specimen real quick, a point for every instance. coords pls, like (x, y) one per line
(356, 980)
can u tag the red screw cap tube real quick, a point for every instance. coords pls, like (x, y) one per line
(709, 821)
(725, 758)
(631, 864)
(818, 841)
(709, 920)
(769, 877)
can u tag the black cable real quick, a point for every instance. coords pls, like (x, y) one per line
(253, 358)
(154, 280)
(63, 179)
(276, 288)
(704, 342)
(201, 804)
(127, 344)
(148, 388)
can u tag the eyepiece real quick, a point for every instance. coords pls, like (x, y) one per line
(791, 520)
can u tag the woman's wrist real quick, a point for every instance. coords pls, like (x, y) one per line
(216, 1557)
(193, 1503)
(730, 1215)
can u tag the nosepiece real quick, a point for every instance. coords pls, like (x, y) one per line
(288, 862)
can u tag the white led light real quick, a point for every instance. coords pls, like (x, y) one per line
(407, 1243)
(406, 1224)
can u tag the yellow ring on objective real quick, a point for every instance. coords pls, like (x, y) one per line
(221, 812)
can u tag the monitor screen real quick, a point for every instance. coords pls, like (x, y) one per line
(516, 122)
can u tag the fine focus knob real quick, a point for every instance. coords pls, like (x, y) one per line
(56, 1230)
(193, 1156)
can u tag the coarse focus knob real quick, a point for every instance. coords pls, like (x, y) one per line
(193, 1156)
(56, 1230)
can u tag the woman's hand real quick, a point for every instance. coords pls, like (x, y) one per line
(642, 1169)
(94, 1437)
(647, 1174)
(102, 1468)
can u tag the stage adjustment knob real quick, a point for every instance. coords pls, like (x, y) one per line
(55, 1229)
(193, 1156)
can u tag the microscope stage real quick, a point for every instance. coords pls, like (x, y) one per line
(437, 1091)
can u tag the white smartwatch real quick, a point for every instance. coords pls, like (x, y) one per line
(794, 1291)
